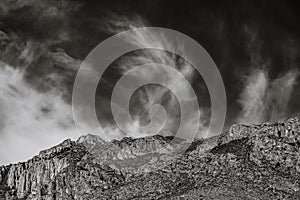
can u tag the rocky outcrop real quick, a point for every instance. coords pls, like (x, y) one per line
(247, 162)
(28, 179)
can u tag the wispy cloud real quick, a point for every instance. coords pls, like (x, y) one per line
(149, 95)
(47, 8)
(30, 120)
(280, 93)
(35, 77)
(262, 98)
(252, 99)
(266, 100)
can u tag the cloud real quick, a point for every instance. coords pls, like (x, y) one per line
(147, 96)
(36, 77)
(44, 67)
(32, 18)
(263, 99)
(30, 120)
(252, 98)
(279, 94)
(39, 8)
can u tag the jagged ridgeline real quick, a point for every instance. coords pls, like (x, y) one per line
(247, 162)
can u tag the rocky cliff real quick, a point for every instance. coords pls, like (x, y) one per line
(247, 162)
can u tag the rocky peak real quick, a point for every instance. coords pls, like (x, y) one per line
(239, 131)
(247, 161)
(90, 139)
(64, 146)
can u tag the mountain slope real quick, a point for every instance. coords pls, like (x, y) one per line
(247, 162)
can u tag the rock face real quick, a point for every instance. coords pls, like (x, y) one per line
(247, 162)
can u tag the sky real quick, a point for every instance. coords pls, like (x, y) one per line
(255, 45)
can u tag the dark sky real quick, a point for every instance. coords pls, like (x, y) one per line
(255, 44)
(240, 36)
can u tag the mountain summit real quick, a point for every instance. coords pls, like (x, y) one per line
(246, 162)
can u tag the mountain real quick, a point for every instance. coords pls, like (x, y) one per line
(246, 162)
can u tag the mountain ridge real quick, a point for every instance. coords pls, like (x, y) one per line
(246, 162)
